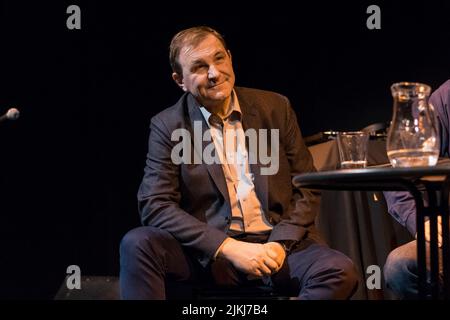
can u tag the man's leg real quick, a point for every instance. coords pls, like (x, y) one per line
(224, 274)
(400, 271)
(148, 256)
(317, 273)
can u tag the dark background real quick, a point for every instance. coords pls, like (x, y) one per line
(71, 166)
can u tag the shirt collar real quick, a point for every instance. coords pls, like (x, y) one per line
(235, 112)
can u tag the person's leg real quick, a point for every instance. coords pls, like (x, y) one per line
(224, 274)
(400, 271)
(316, 273)
(148, 257)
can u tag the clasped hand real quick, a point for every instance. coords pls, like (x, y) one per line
(254, 259)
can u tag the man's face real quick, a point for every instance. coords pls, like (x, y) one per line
(207, 71)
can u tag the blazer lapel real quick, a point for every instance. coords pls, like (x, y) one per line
(215, 170)
(251, 120)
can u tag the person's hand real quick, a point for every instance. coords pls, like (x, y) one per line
(427, 231)
(276, 251)
(250, 258)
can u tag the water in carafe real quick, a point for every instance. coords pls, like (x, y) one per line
(413, 138)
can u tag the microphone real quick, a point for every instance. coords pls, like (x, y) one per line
(11, 114)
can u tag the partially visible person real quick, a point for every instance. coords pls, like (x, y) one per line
(400, 269)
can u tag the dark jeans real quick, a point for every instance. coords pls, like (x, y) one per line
(149, 257)
(401, 272)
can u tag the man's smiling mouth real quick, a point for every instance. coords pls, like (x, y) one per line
(216, 85)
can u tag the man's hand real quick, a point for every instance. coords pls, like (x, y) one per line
(427, 231)
(276, 251)
(250, 258)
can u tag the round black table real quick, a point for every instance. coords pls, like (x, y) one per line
(433, 183)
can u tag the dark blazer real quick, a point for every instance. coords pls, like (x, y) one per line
(191, 201)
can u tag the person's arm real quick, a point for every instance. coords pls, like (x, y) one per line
(440, 99)
(159, 197)
(304, 203)
(401, 207)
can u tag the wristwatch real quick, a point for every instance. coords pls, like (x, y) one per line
(287, 245)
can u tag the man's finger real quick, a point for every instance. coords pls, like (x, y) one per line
(271, 263)
(440, 226)
(271, 253)
(440, 231)
(428, 232)
(264, 269)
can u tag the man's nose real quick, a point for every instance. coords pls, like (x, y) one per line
(213, 73)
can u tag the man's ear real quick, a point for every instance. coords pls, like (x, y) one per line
(229, 54)
(179, 80)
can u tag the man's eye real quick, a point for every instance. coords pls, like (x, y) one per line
(198, 67)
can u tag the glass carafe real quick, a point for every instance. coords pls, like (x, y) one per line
(413, 138)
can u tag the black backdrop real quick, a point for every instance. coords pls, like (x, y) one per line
(71, 166)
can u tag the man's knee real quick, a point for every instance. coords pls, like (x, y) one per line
(400, 265)
(349, 275)
(142, 239)
(335, 271)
